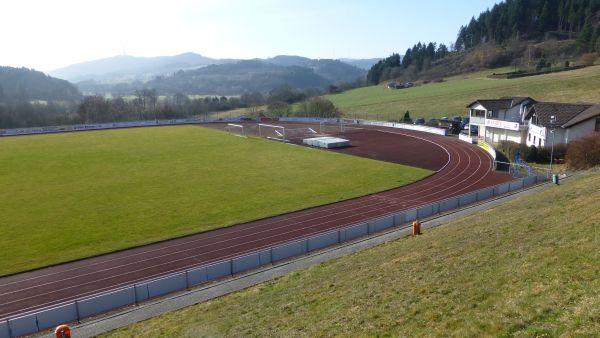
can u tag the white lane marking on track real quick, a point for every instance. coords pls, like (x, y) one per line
(189, 256)
(261, 225)
(145, 278)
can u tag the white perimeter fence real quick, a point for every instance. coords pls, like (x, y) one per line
(112, 125)
(149, 123)
(417, 127)
(426, 129)
(75, 310)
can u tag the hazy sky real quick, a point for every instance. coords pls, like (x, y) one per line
(49, 34)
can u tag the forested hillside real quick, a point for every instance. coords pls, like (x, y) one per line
(535, 19)
(19, 85)
(519, 33)
(31, 98)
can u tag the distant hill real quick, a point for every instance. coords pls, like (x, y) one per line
(234, 78)
(128, 68)
(237, 78)
(333, 70)
(365, 64)
(123, 68)
(23, 85)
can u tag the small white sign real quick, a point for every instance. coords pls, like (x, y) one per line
(502, 124)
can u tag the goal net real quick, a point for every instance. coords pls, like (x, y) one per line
(299, 133)
(272, 132)
(236, 129)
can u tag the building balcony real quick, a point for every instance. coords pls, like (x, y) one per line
(477, 120)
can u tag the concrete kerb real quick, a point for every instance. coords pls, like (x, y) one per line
(242, 281)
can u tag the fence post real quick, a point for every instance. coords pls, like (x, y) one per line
(77, 310)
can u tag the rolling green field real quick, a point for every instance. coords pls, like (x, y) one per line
(451, 97)
(73, 195)
(528, 268)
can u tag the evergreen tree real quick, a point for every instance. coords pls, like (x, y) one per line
(584, 39)
(544, 19)
(593, 47)
(407, 118)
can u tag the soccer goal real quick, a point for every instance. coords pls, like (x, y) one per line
(342, 126)
(236, 129)
(272, 132)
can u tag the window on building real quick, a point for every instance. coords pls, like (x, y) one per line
(478, 113)
(534, 140)
(528, 137)
(540, 143)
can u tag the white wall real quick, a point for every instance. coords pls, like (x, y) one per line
(538, 132)
(496, 135)
(561, 135)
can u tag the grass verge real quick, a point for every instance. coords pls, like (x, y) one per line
(451, 97)
(527, 268)
(73, 195)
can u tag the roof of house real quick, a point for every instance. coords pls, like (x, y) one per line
(566, 114)
(505, 102)
(587, 114)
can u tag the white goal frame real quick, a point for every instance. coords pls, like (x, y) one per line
(231, 127)
(341, 124)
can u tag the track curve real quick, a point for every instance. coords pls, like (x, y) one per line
(460, 168)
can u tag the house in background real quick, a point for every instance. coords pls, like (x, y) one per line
(500, 119)
(570, 121)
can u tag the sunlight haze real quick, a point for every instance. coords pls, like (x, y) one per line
(50, 34)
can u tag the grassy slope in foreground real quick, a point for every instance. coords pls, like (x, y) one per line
(451, 97)
(530, 267)
(73, 195)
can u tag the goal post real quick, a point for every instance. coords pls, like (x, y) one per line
(333, 127)
(236, 129)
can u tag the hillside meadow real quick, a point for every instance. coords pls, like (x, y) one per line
(450, 98)
(527, 268)
(73, 195)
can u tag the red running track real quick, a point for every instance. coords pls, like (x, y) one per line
(460, 168)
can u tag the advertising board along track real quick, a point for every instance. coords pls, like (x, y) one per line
(463, 168)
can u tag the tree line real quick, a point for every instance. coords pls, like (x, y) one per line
(146, 104)
(534, 19)
(507, 22)
(415, 59)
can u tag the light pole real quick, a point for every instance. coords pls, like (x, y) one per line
(552, 127)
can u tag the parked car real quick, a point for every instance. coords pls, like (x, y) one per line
(432, 123)
(453, 126)
(464, 123)
(420, 120)
(474, 129)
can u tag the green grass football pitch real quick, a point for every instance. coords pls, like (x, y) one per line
(74, 195)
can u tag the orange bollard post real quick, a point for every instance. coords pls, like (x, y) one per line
(416, 228)
(63, 331)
